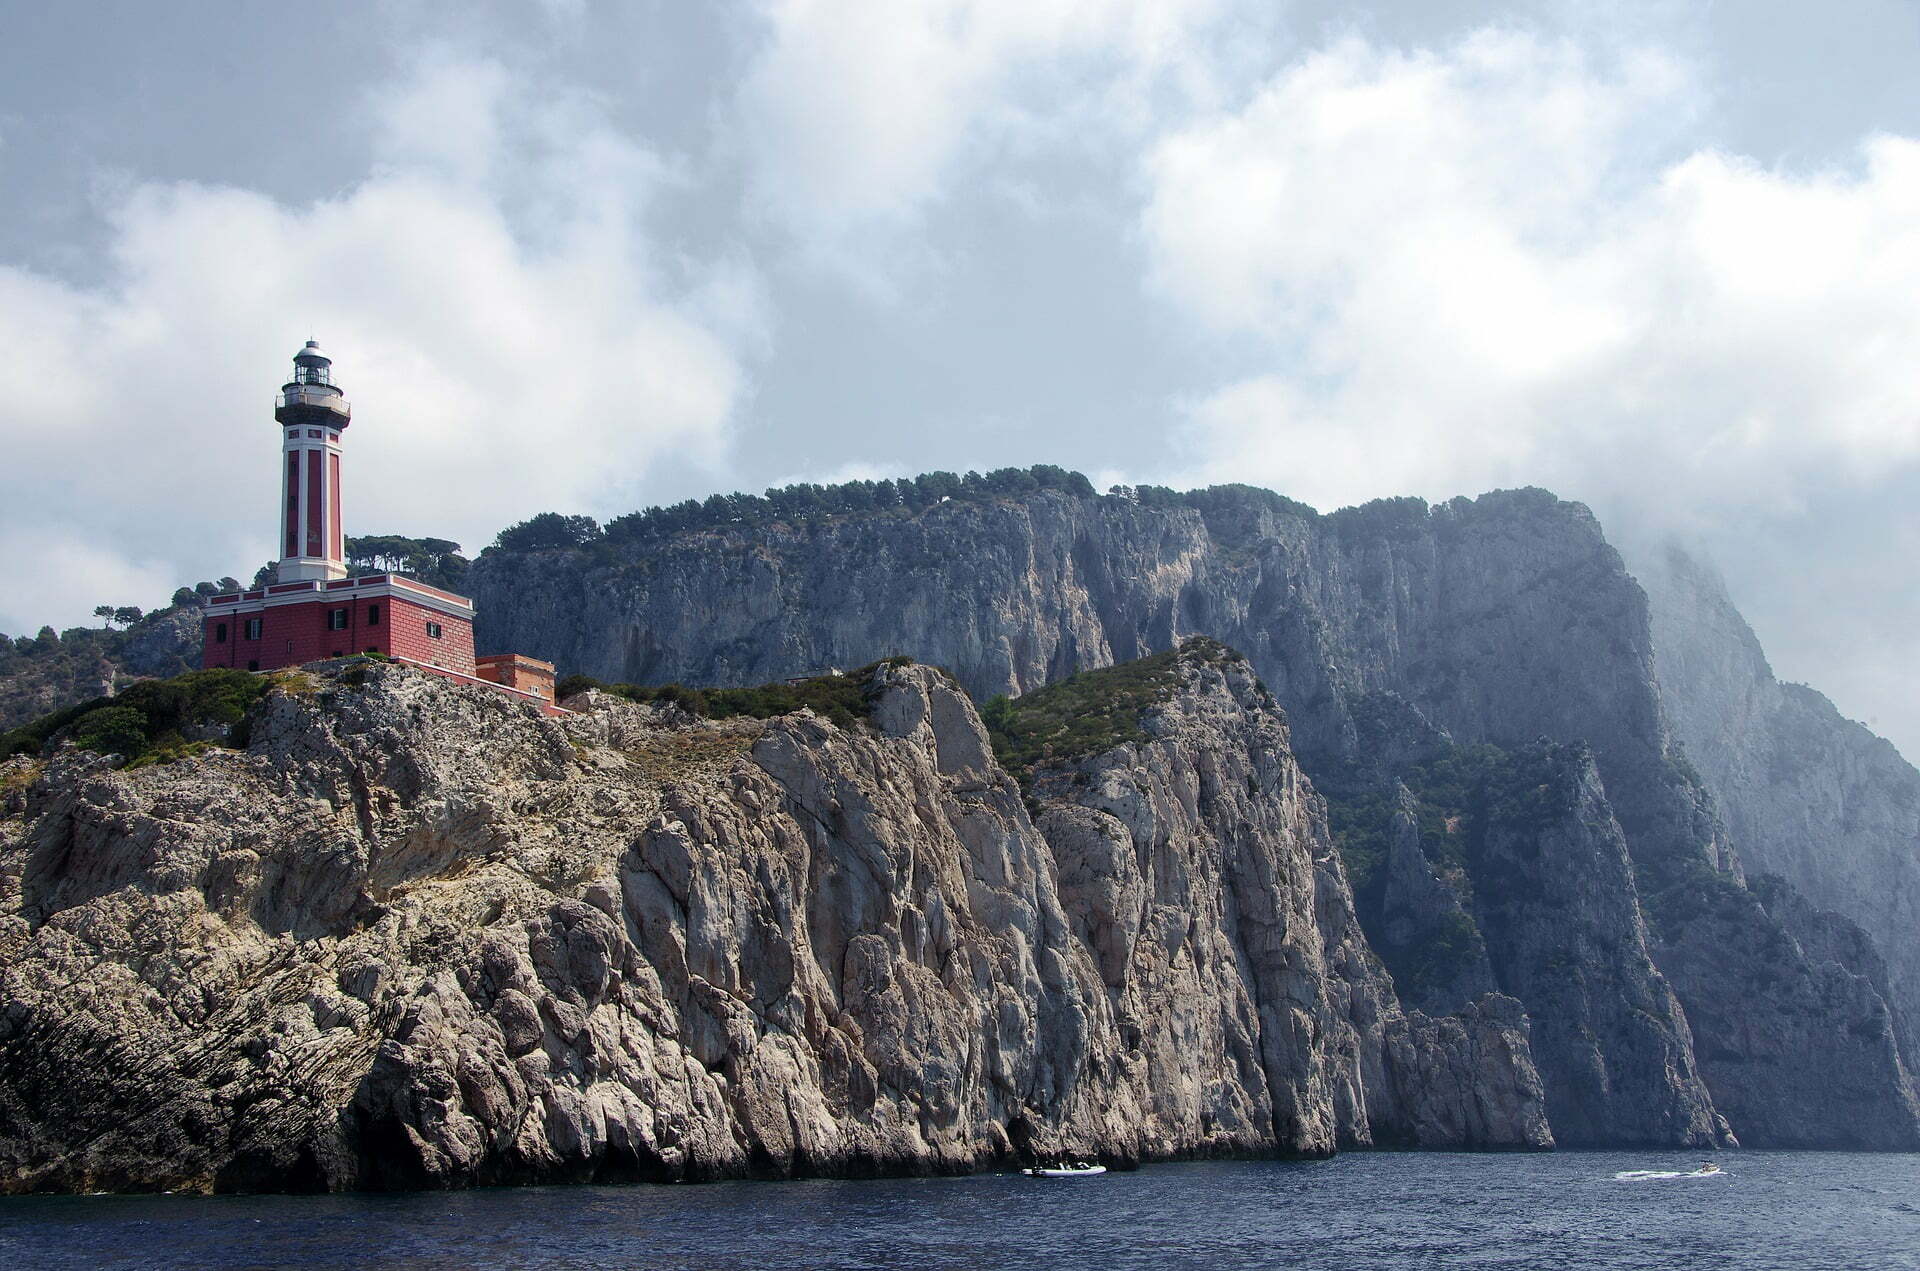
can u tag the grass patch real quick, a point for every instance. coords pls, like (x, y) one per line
(146, 723)
(1092, 712)
(294, 683)
(677, 755)
(20, 778)
(845, 699)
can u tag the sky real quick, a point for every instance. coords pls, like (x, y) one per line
(579, 257)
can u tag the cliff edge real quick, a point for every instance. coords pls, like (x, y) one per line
(416, 935)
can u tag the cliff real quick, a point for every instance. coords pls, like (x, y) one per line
(1554, 895)
(1382, 631)
(1809, 795)
(416, 935)
(1195, 866)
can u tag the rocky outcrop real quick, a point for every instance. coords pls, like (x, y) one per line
(1807, 794)
(1798, 1045)
(1197, 868)
(1504, 616)
(1831, 939)
(1555, 899)
(1420, 912)
(32, 686)
(416, 935)
(1502, 619)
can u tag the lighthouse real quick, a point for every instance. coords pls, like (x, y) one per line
(314, 610)
(313, 413)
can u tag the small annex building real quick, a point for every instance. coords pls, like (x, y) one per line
(314, 611)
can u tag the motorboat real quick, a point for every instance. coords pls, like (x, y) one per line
(1066, 1169)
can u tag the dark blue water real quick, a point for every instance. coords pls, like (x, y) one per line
(1770, 1210)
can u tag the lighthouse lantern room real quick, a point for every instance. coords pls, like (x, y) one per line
(313, 413)
(315, 609)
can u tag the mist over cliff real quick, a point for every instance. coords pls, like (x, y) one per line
(1807, 794)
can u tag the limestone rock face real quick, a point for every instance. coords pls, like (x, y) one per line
(1197, 869)
(1504, 619)
(1800, 1047)
(418, 935)
(1557, 903)
(1418, 907)
(1807, 794)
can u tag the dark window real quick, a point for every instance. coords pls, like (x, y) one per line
(433, 630)
(253, 666)
(336, 621)
(371, 649)
(373, 615)
(253, 632)
(219, 633)
(336, 653)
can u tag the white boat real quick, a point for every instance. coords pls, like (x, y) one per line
(1079, 1169)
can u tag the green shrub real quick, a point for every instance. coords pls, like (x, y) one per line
(1089, 713)
(149, 719)
(844, 699)
(1436, 960)
(110, 730)
(573, 684)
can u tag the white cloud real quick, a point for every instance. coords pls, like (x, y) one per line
(67, 571)
(1495, 264)
(487, 293)
(856, 116)
(1466, 271)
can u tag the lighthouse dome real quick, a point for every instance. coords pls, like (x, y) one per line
(311, 355)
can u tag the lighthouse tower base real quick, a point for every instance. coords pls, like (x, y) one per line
(291, 624)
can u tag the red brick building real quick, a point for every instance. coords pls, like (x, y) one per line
(315, 611)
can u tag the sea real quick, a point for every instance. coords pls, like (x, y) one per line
(1375, 1211)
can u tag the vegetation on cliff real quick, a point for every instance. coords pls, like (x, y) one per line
(1091, 712)
(842, 697)
(55, 669)
(794, 504)
(808, 503)
(1457, 797)
(152, 721)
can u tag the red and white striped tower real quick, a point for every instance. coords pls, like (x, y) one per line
(315, 612)
(313, 414)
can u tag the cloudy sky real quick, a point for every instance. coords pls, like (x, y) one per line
(1664, 258)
